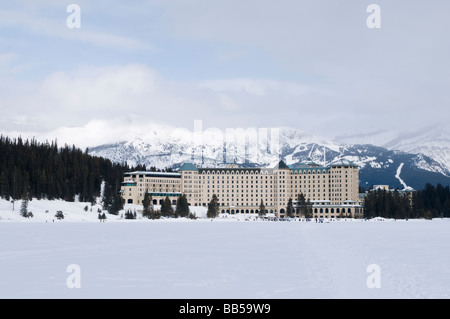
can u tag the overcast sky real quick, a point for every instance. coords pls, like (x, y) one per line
(312, 65)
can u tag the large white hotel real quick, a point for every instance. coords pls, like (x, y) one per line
(332, 189)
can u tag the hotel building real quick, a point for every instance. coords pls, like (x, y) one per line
(332, 189)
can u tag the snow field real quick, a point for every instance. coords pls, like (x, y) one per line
(45, 210)
(215, 259)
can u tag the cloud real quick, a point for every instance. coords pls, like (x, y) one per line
(313, 65)
(71, 99)
(258, 87)
(97, 132)
(40, 25)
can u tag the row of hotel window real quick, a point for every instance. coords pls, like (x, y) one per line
(262, 173)
(331, 195)
(281, 189)
(266, 177)
(177, 181)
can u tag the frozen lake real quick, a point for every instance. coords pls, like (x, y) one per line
(219, 259)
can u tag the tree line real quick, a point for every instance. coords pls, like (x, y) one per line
(30, 169)
(166, 209)
(430, 202)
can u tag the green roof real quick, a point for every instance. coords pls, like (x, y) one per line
(188, 167)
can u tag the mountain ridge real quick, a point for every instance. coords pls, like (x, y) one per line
(252, 147)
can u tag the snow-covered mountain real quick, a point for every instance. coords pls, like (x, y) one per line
(264, 147)
(432, 141)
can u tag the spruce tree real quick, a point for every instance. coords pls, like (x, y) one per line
(213, 207)
(182, 208)
(301, 205)
(262, 209)
(308, 209)
(166, 208)
(147, 205)
(118, 203)
(107, 196)
(113, 202)
(129, 215)
(155, 214)
(290, 208)
(24, 208)
(46, 171)
(4, 186)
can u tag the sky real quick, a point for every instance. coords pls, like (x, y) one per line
(312, 65)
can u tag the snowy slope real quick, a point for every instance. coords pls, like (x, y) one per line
(161, 149)
(431, 141)
(212, 147)
(252, 147)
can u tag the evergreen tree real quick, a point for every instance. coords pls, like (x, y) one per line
(43, 189)
(213, 207)
(156, 214)
(262, 209)
(4, 186)
(308, 209)
(59, 215)
(117, 204)
(42, 170)
(147, 205)
(192, 216)
(107, 196)
(152, 214)
(101, 216)
(304, 206)
(166, 208)
(447, 207)
(113, 202)
(182, 208)
(129, 215)
(394, 204)
(24, 208)
(290, 208)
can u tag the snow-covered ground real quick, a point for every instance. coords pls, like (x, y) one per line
(215, 259)
(45, 210)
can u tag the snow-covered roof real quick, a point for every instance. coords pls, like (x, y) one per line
(158, 174)
(343, 162)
